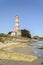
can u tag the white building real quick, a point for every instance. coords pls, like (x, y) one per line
(16, 31)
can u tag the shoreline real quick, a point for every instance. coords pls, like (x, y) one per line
(22, 50)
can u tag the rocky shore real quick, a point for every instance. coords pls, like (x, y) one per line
(18, 54)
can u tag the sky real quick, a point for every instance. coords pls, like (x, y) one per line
(30, 14)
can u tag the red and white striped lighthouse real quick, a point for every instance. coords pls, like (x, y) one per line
(16, 31)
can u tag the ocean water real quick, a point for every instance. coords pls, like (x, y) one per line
(37, 43)
(38, 52)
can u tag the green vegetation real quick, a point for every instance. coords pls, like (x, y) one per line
(40, 47)
(42, 63)
(1, 39)
(25, 37)
(25, 33)
(3, 35)
(36, 37)
(9, 32)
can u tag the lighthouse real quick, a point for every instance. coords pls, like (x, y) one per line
(16, 31)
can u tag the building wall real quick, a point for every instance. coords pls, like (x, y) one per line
(16, 31)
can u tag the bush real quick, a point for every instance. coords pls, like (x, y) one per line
(3, 35)
(25, 33)
(1, 39)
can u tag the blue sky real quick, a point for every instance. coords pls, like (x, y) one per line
(30, 14)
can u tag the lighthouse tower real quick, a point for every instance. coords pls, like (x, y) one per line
(16, 31)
